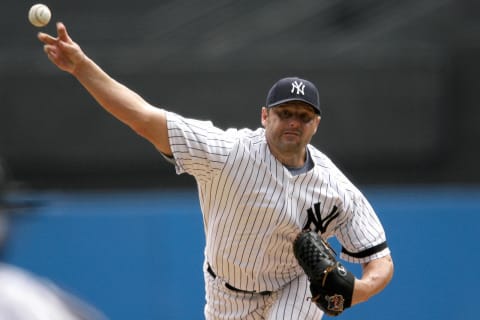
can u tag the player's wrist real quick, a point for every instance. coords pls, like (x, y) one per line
(81, 65)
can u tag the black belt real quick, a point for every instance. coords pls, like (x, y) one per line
(230, 287)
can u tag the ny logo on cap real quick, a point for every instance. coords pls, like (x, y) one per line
(299, 86)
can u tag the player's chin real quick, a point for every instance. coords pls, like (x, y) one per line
(292, 139)
(292, 146)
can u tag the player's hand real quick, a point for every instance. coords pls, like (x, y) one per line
(62, 50)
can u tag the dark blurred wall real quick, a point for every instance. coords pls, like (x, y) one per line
(398, 84)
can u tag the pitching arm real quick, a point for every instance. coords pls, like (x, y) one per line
(124, 104)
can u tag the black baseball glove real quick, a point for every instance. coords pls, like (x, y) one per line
(331, 284)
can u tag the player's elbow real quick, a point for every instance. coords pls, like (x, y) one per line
(388, 269)
(381, 271)
(377, 274)
(380, 274)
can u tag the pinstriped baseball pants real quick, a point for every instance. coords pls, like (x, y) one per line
(289, 303)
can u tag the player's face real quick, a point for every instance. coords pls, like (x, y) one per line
(289, 127)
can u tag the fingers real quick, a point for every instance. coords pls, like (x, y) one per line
(62, 32)
(47, 39)
(49, 50)
(61, 50)
(52, 55)
(52, 46)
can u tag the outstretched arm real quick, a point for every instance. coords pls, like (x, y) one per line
(126, 105)
(376, 274)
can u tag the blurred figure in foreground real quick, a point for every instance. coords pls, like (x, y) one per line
(24, 296)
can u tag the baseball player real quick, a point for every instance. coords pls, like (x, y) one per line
(257, 189)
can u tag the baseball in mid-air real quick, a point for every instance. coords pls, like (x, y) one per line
(39, 15)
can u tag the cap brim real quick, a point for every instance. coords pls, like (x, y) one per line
(277, 103)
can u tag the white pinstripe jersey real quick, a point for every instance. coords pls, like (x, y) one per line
(253, 207)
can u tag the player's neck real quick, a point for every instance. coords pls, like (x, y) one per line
(290, 160)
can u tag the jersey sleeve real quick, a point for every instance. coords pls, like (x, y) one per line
(199, 148)
(359, 230)
(361, 234)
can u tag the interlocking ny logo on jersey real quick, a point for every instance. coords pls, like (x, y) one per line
(314, 216)
(299, 86)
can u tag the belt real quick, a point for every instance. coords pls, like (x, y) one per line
(230, 287)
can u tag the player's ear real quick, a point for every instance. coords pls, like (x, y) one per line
(264, 116)
(317, 120)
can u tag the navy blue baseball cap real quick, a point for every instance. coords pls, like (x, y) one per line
(294, 89)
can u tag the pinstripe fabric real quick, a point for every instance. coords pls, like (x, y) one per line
(290, 302)
(253, 207)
